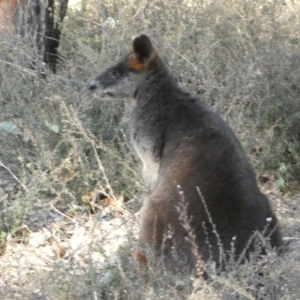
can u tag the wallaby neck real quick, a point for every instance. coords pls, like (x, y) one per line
(155, 82)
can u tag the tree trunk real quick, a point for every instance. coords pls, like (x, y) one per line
(53, 23)
(40, 23)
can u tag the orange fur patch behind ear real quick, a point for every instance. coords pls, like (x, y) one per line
(136, 65)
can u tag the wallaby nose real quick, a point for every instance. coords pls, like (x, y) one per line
(92, 86)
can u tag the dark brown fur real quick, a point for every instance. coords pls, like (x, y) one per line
(186, 148)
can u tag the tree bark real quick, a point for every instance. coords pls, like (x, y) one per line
(53, 23)
(40, 23)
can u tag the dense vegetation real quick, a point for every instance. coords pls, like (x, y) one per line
(64, 152)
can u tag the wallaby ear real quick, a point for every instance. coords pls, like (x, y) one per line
(143, 48)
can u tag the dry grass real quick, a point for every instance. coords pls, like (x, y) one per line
(58, 241)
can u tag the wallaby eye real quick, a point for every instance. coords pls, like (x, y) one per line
(116, 73)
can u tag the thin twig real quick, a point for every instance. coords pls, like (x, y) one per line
(183, 57)
(214, 228)
(13, 175)
(95, 295)
(64, 215)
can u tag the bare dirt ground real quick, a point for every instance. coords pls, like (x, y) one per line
(55, 244)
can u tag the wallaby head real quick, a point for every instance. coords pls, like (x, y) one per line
(122, 79)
